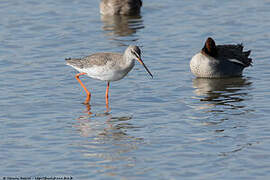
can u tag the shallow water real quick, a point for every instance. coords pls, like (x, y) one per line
(173, 126)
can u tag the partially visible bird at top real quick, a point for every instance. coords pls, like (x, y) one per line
(219, 61)
(120, 7)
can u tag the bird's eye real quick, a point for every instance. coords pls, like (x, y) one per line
(136, 54)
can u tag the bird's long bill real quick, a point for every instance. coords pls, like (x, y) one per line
(145, 67)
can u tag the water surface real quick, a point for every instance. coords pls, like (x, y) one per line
(173, 126)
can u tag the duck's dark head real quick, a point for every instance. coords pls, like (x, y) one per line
(210, 47)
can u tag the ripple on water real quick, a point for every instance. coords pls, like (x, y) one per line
(173, 126)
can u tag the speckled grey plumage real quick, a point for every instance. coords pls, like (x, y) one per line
(220, 61)
(101, 59)
(97, 59)
(124, 7)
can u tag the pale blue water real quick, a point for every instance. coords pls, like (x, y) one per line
(171, 127)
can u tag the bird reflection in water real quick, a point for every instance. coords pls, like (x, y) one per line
(120, 26)
(113, 126)
(222, 102)
(224, 92)
(108, 144)
(88, 109)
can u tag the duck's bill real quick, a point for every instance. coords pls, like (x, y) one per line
(145, 67)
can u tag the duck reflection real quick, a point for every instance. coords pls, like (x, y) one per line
(222, 91)
(222, 103)
(120, 25)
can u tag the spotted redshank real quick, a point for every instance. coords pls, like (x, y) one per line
(106, 67)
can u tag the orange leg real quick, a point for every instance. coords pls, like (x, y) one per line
(107, 93)
(88, 109)
(88, 97)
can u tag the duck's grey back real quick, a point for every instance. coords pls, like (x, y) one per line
(234, 52)
(125, 7)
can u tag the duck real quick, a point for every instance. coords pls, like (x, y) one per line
(120, 7)
(220, 61)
